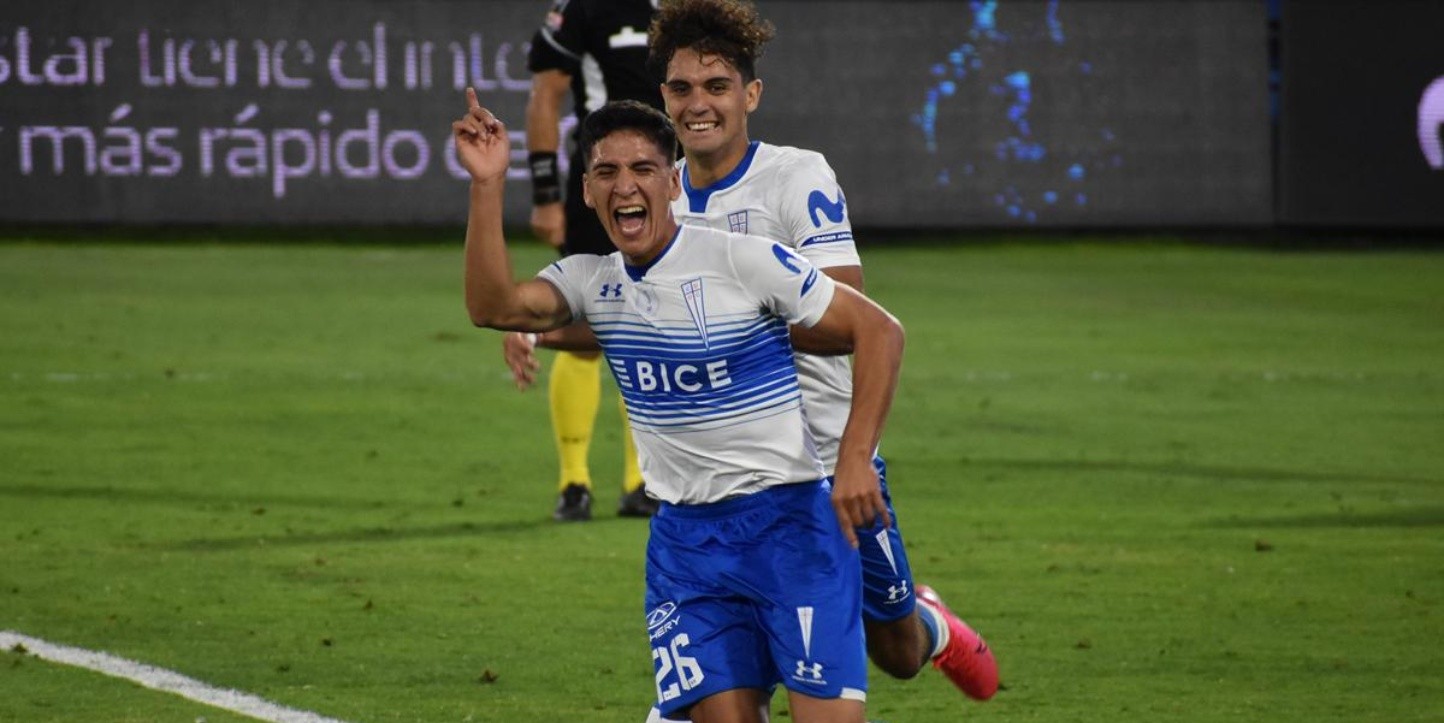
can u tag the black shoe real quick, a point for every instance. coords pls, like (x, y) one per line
(637, 504)
(574, 504)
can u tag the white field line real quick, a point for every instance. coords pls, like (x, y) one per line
(161, 679)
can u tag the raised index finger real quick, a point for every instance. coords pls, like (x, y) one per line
(471, 101)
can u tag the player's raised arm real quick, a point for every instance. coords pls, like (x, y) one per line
(877, 341)
(493, 298)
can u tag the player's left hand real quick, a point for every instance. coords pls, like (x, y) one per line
(519, 352)
(857, 498)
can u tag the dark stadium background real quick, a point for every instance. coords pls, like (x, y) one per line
(1233, 114)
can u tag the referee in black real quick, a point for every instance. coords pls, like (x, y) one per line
(597, 51)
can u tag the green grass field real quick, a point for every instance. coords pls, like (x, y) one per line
(1167, 482)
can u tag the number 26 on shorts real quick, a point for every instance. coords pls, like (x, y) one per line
(671, 660)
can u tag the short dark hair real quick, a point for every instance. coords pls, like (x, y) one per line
(729, 29)
(629, 115)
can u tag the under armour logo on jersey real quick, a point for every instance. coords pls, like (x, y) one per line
(897, 593)
(804, 671)
(737, 222)
(833, 210)
(613, 290)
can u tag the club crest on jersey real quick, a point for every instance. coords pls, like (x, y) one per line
(696, 306)
(737, 222)
(644, 300)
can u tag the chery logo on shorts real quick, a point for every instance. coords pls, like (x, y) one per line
(660, 615)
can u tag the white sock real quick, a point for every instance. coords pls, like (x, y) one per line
(939, 627)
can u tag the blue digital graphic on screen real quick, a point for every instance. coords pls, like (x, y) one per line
(979, 113)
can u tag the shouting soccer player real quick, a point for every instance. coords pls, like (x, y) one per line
(753, 577)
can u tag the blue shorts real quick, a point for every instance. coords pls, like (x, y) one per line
(887, 578)
(752, 592)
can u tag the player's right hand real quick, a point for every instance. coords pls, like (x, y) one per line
(520, 355)
(549, 223)
(857, 497)
(482, 145)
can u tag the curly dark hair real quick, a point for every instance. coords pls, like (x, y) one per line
(729, 29)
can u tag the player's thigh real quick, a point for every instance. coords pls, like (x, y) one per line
(733, 706)
(702, 647)
(811, 581)
(704, 637)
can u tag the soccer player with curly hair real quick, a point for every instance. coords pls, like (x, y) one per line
(707, 51)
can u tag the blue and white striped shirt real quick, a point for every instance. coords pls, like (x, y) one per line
(698, 343)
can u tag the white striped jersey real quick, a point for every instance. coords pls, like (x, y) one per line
(791, 196)
(697, 341)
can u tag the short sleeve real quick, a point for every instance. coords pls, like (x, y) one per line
(814, 212)
(783, 281)
(559, 43)
(571, 275)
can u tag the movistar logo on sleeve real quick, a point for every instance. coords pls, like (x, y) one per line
(786, 258)
(811, 279)
(789, 262)
(833, 210)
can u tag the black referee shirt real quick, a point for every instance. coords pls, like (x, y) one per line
(613, 35)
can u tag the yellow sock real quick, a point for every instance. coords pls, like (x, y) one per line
(631, 470)
(575, 391)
